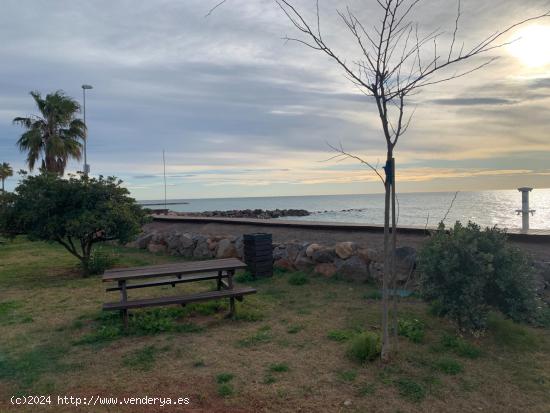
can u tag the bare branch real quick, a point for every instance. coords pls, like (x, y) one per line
(345, 155)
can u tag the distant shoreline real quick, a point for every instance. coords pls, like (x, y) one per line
(162, 203)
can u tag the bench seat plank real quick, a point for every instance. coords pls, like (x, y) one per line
(190, 298)
(180, 268)
(171, 281)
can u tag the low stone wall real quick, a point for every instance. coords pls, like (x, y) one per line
(347, 259)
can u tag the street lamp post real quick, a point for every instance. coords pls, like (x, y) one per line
(86, 166)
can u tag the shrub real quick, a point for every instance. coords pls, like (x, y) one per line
(413, 329)
(459, 346)
(468, 271)
(225, 390)
(278, 367)
(364, 347)
(77, 213)
(100, 260)
(224, 378)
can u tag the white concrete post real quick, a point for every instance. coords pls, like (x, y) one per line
(525, 211)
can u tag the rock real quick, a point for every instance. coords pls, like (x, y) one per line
(280, 252)
(347, 403)
(354, 269)
(325, 269)
(201, 248)
(293, 249)
(310, 250)
(375, 255)
(284, 264)
(344, 250)
(364, 254)
(144, 240)
(239, 246)
(156, 248)
(303, 262)
(324, 255)
(226, 249)
(186, 245)
(173, 240)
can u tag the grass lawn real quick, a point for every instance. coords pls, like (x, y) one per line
(285, 352)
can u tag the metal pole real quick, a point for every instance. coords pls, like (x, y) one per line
(164, 165)
(525, 211)
(85, 133)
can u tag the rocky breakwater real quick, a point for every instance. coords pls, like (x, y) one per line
(246, 213)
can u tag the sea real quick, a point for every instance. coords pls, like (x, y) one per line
(486, 208)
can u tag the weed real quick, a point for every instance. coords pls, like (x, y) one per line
(367, 389)
(224, 378)
(298, 278)
(459, 346)
(248, 314)
(293, 329)
(245, 277)
(199, 363)
(410, 390)
(269, 379)
(278, 367)
(103, 334)
(339, 335)
(263, 335)
(347, 376)
(142, 359)
(413, 329)
(448, 366)
(225, 390)
(364, 347)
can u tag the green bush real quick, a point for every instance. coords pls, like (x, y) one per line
(413, 329)
(468, 271)
(100, 260)
(364, 347)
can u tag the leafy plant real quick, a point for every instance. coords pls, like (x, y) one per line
(224, 378)
(78, 213)
(469, 271)
(100, 260)
(365, 347)
(413, 329)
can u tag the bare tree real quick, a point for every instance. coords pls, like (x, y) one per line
(396, 59)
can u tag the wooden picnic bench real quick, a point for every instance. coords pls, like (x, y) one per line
(221, 270)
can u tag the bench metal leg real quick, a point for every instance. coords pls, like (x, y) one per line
(220, 273)
(123, 299)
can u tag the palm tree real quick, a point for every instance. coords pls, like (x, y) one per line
(55, 135)
(5, 172)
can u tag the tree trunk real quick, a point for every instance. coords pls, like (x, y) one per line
(386, 343)
(395, 297)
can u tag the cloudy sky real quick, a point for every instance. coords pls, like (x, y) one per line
(240, 112)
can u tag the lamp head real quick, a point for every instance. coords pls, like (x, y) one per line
(87, 87)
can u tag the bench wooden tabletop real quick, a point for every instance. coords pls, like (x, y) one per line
(179, 268)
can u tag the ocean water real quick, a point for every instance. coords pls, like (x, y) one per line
(486, 208)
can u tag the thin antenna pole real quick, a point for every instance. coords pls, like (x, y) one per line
(164, 165)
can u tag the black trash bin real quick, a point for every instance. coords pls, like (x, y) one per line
(258, 254)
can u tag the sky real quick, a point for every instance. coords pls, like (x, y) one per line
(241, 112)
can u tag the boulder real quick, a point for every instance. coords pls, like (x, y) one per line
(280, 252)
(186, 245)
(293, 249)
(310, 250)
(173, 240)
(353, 269)
(201, 248)
(344, 250)
(364, 254)
(325, 269)
(226, 249)
(324, 255)
(156, 248)
(303, 262)
(144, 240)
(284, 264)
(239, 246)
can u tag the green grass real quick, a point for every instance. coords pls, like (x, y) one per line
(340, 335)
(224, 378)
(225, 390)
(373, 295)
(263, 335)
(448, 366)
(298, 278)
(458, 346)
(279, 367)
(347, 375)
(142, 359)
(511, 335)
(411, 390)
(294, 329)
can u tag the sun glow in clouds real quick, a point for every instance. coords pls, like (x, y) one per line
(532, 46)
